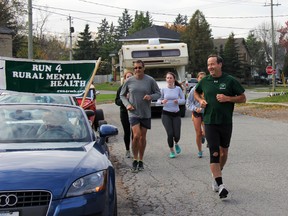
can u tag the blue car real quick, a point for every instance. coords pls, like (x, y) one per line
(53, 163)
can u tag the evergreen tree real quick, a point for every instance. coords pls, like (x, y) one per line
(199, 41)
(86, 47)
(181, 20)
(107, 40)
(231, 63)
(103, 32)
(257, 53)
(108, 44)
(124, 23)
(140, 22)
(179, 25)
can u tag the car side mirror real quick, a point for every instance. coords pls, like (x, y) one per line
(107, 130)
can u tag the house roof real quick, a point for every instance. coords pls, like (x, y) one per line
(238, 41)
(5, 30)
(157, 32)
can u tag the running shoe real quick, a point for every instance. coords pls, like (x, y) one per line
(172, 155)
(200, 154)
(134, 166)
(177, 148)
(223, 192)
(203, 139)
(127, 155)
(140, 166)
(215, 186)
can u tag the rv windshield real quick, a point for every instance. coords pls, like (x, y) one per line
(159, 73)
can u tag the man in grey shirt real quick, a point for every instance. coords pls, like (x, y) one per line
(136, 95)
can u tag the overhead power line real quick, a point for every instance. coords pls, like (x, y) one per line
(165, 14)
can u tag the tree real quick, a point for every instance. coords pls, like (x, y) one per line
(12, 16)
(140, 22)
(232, 63)
(180, 20)
(283, 41)
(86, 47)
(108, 44)
(124, 23)
(179, 25)
(199, 41)
(107, 40)
(257, 53)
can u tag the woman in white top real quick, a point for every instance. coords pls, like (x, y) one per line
(171, 97)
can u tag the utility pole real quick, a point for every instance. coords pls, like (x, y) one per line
(71, 30)
(30, 34)
(273, 45)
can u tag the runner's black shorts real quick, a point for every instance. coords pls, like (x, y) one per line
(197, 115)
(144, 122)
(218, 135)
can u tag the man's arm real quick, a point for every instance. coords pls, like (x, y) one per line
(233, 99)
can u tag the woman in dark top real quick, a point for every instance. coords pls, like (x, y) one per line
(124, 116)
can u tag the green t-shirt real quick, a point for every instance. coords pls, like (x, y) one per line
(216, 112)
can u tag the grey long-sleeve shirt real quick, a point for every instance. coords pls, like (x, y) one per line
(136, 90)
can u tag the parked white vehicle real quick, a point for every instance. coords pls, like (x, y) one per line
(190, 84)
(158, 60)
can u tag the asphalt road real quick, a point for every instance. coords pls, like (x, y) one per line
(255, 174)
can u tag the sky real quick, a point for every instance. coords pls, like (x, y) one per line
(224, 16)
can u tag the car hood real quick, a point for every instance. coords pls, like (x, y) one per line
(49, 169)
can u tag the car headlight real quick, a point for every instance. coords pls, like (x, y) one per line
(88, 184)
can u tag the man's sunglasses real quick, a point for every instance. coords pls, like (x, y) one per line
(135, 68)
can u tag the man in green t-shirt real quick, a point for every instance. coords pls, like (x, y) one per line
(221, 91)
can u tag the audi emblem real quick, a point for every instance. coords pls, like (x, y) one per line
(8, 200)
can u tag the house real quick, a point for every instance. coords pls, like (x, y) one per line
(5, 41)
(244, 55)
(160, 33)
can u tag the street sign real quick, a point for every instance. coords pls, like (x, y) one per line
(270, 70)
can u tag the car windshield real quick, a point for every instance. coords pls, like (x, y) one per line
(30, 98)
(42, 123)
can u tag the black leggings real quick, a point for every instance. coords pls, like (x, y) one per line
(127, 129)
(172, 125)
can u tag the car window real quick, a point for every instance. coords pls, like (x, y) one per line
(23, 124)
(27, 98)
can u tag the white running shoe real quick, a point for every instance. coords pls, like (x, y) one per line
(215, 186)
(127, 155)
(223, 192)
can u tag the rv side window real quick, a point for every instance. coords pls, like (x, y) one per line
(171, 53)
(155, 53)
(140, 54)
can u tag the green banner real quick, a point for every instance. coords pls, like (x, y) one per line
(65, 77)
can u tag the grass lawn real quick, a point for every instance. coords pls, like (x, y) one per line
(105, 98)
(274, 99)
(109, 86)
